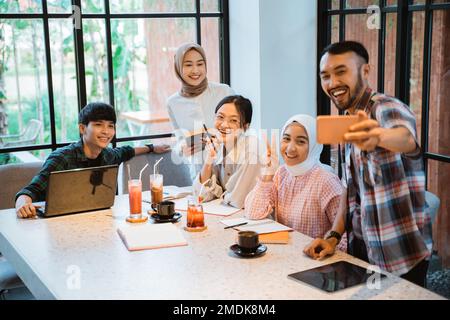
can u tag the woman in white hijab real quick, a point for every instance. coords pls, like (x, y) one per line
(303, 193)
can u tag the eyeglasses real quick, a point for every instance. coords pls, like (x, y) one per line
(231, 121)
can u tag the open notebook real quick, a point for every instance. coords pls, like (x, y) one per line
(214, 207)
(151, 236)
(269, 230)
(260, 226)
(174, 192)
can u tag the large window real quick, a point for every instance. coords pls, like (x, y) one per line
(58, 55)
(410, 60)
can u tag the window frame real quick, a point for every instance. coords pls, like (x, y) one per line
(224, 51)
(404, 10)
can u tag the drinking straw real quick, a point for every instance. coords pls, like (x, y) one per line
(129, 171)
(142, 170)
(156, 164)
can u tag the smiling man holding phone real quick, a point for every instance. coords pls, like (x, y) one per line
(383, 207)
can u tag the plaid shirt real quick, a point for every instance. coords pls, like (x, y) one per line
(72, 157)
(386, 193)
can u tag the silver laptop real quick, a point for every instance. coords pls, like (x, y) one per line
(80, 190)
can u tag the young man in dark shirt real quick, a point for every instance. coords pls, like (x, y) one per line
(97, 125)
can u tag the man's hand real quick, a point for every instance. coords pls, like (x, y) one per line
(25, 208)
(320, 248)
(365, 134)
(161, 148)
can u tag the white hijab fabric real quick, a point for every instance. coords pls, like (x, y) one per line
(315, 149)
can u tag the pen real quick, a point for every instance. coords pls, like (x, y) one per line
(209, 136)
(236, 225)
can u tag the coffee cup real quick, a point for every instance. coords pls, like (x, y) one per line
(248, 241)
(165, 209)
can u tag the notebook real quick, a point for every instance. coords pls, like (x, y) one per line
(214, 207)
(151, 236)
(262, 226)
(281, 237)
(174, 192)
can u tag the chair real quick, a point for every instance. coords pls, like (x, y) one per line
(16, 176)
(433, 203)
(8, 278)
(175, 172)
(27, 137)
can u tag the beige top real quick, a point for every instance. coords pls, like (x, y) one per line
(234, 180)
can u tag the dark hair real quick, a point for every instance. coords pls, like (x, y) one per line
(243, 106)
(96, 111)
(347, 46)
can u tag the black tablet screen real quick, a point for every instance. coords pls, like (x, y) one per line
(336, 276)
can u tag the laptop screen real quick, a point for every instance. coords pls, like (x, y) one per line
(80, 190)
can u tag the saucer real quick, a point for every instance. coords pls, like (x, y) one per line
(157, 218)
(257, 253)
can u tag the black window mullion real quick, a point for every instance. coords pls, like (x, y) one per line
(341, 21)
(48, 59)
(401, 71)
(109, 59)
(323, 39)
(198, 22)
(79, 60)
(426, 82)
(224, 42)
(381, 48)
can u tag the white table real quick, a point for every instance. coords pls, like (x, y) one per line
(82, 257)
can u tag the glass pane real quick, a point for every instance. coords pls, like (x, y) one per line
(139, 6)
(209, 5)
(64, 80)
(334, 29)
(24, 111)
(360, 3)
(390, 54)
(415, 82)
(438, 177)
(96, 64)
(439, 112)
(92, 6)
(391, 3)
(143, 51)
(24, 156)
(7, 6)
(356, 30)
(335, 4)
(59, 6)
(211, 44)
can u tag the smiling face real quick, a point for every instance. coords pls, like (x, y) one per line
(294, 145)
(343, 78)
(228, 122)
(193, 68)
(97, 134)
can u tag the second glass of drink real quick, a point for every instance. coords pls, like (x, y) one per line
(156, 188)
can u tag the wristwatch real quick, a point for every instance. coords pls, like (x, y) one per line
(151, 147)
(333, 234)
